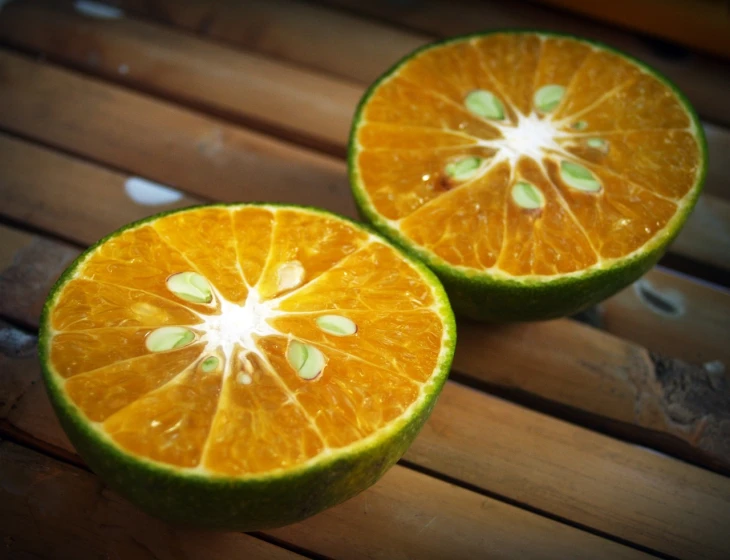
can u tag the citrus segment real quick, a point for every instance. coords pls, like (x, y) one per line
(662, 162)
(626, 217)
(560, 59)
(592, 84)
(77, 352)
(170, 424)
(278, 433)
(642, 103)
(410, 105)
(458, 227)
(102, 392)
(295, 260)
(252, 354)
(511, 60)
(91, 305)
(206, 240)
(353, 401)
(412, 178)
(596, 163)
(142, 261)
(399, 343)
(375, 279)
(252, 230)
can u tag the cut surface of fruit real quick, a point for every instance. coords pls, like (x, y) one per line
(253, 354)
(535, 173)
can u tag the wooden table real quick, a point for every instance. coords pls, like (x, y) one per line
(552, 440)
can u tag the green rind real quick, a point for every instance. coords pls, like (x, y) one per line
(485, 297)
(253, 503)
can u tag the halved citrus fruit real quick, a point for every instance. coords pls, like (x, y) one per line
(244, 366)
(535, 173)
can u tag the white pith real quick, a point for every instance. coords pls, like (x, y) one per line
(237, 324)
(532, 137)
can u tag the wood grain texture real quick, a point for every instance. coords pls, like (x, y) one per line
(331, 41)
(667, 404)
(54, 510)
(76, 200)
(281, 98)
(698, 334)
(163, 142)
(592, 480)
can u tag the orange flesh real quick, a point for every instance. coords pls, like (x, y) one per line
(418, 120)
(251, 411)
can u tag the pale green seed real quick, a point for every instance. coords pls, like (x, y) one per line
(209, 364)
(190, 286)
(485, 104)
(597, 143)
(527, 195)
(336, 325)
(464, 168)
(167, 338)
(578, 177)
(547, 98)
(306, 360)
(579, 125)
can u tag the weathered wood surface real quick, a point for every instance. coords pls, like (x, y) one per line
(54, 510)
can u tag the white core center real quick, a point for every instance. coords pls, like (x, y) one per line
(237, 324)
(532, 137)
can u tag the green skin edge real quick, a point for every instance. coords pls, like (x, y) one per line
(477, 294)
(257, 502)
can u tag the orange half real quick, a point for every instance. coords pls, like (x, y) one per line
(246, 343)
(526, 159)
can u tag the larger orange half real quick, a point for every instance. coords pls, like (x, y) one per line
(244, 366)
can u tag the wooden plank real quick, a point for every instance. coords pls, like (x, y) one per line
(238, 85)
(702, 25)
(53, 510)
(578, 475)
(706, 235)
(163, 142)
(245, 87)
(703, 79)
(717, 181)
(668, 404)
(76, 200)
(29, 170)
(412, 515)
(300, 32)
(662, 310)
